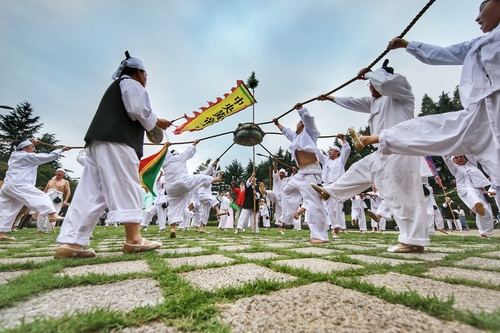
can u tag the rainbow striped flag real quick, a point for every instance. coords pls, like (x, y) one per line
(149, 168)
(432, 166)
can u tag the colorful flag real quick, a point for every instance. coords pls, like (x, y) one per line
(434, 171)
(149, 167)
(239, 99)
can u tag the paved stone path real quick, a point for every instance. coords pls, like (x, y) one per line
(470, 273)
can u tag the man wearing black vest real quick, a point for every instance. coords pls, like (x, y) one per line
(247, 216)
(110, 178)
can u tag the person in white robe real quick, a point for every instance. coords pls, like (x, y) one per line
(19, 189)
(304, 151)
(333, 169)
(396, 176)
(471, 184)
(472, 131)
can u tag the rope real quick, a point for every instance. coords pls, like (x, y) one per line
(225, 151)
(412, 23)
(270, 154)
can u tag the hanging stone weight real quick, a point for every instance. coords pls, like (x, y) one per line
(248, 134)
(155, 135)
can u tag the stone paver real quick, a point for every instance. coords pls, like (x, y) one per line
(355, 247)
(309, 309)
(24, 260)
(181, 250)
(314, 250)
(154, 327)
(279, 245)
(466, 298)
(317, 265)
(427, 256)
(258, 255)
(461, 273)
(140, 292)
(233, 276)
(6, 276)
(492, 254)
(479, 262)
(234, 247)
(114, 268)
(199, 260)
(382, 260)
(444, 249)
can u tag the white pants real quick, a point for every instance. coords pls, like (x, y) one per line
(438, 220)
(336, 217)
(471, 131)
(398, 178)
(179, 195)
(110, 179)
(299, 189)
(13, 196)
(470, 196)
(278, 210)
(247, 217)
(156, 209)
(188, 215)
(360, 217)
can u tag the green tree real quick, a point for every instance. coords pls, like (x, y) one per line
(50, 140)
(234, 173)
(19, 123)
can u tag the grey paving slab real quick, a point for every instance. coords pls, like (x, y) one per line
(280, 245)
(479, 262)
(155, 327)
(443, 249)
(309, 310)
(466, 298)
(6, 276)
(120, 296)
(233, 276)
(181, 250)
(108, 254)
(258, 255)
(6, 245)
(427, 256)
(317, 265)
(355, 247)
(462, 273)
(314, 250)
(492, 254)
(24, 260)
(382, 260)
(199, 260)
(113, 268)
(234, 247)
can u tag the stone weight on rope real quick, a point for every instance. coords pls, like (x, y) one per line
(155, 135)
(248, 134)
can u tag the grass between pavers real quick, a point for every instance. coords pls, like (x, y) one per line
(191, 309)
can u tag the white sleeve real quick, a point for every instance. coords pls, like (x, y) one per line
(438, 55)
(136, 101)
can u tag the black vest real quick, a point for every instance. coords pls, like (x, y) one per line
(112, 124)
(249, 200)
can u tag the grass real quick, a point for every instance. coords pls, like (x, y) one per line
(191, 309)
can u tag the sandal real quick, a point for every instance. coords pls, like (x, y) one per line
(355, 138)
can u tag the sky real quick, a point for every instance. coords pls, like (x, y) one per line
(59, 56)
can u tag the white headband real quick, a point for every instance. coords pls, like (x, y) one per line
(130, 62)
(336, 148)
(23, 144)
(282, 170)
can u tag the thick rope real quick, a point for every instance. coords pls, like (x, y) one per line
(270, 154)
(412, 23)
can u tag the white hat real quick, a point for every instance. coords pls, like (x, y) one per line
(130, 62)
(282, 170)
(336, 148)
(23, 144)
(61, 169)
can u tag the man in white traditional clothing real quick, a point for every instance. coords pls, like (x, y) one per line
(179, 184)
(206, 199)
(471, 184)
(59, 192)
(304, 152)
(275, 194)
(396, 176)
(225, 202)
(19, 188)
(159, 207)
(473, 130)
(333, 169)
(376, 200)
(110, 178)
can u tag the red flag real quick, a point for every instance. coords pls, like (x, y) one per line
(434, 171)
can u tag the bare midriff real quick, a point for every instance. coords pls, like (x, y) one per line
(304, 158)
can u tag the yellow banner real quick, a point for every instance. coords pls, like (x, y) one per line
(239, 99)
